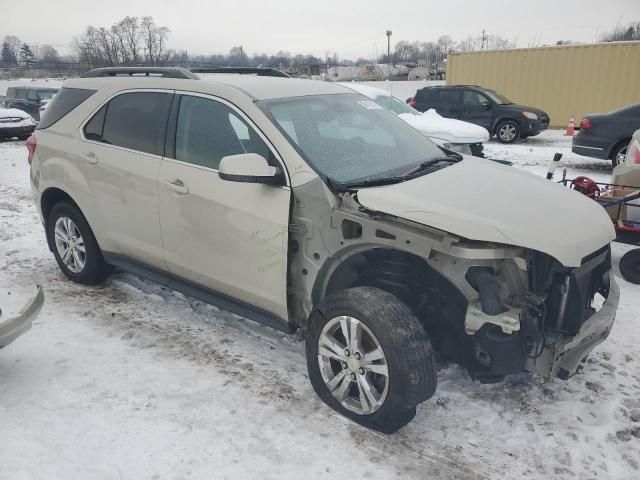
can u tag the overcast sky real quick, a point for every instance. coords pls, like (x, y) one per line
(351, 28)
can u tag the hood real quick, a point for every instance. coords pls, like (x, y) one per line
(13, 112)
(482, 200)
(524, 108)
(432, 124)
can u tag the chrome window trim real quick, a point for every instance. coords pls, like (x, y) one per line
(247, 120)
(102, 104)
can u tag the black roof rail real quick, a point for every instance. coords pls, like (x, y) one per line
(166, 72)
(260, 71)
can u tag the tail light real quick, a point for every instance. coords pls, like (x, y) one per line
(31, 146)
(633, 153)
(585, 123)
(412, 102)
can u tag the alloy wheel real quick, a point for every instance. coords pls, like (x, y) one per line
(353, 365)
(70, 244)
(508, 132)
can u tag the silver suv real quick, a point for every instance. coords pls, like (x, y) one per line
(304, 205)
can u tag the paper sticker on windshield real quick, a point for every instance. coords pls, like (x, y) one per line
(370, 105)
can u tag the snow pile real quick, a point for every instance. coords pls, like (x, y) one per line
(450, 129)
(131, 380)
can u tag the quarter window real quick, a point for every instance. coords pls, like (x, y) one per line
(208, 130)
(136, 121)
(93, 128)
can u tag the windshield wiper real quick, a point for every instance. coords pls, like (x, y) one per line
(376, 182)
(430, 163)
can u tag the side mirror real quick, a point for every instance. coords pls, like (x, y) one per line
(249, 168)
(486, 106)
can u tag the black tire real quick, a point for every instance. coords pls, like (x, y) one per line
(630, 266)
(619, 151)
(406, 346)
(507, 131)
(95, 269)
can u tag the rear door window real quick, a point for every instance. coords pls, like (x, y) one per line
(66, 100)
(21, 93)
(137, 121)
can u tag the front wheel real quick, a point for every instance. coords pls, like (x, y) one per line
(508, 131)
(369, 358)
(630, 266)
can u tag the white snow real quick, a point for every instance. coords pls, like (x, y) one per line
(130, 380)
(450, 129)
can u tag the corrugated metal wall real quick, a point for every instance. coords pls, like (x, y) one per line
(563, 81)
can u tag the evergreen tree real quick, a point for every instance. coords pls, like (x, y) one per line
(8, 57)
(26, 55)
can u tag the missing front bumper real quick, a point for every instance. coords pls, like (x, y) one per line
(562, 357)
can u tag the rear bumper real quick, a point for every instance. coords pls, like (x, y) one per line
(590, 146)
(12, 328)
(562, 356)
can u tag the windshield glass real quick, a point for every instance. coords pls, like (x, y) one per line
(46, 94)
(349, 138)
(496, 97)
(395, 105)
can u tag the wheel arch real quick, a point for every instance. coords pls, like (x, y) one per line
(616, 145)
(49, 198)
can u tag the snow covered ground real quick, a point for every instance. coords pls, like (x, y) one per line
(132, 381)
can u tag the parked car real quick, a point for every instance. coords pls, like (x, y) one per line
(463, 137)
(44, 104)
(15, 123)
(304, 205)
(487, 108)
(607, 135)
(28, 99)
(11, 328)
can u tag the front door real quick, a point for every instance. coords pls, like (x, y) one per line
(227, 236)
(476, 108)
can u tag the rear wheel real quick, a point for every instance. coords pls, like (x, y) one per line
(369, 358)
(630, 266)
(74, 245)
(508, 131)
(618, 153)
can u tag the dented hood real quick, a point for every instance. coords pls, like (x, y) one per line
(482, 200)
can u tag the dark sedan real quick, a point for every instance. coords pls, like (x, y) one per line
(607, 135)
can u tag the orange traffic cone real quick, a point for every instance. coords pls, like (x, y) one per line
(571, 127)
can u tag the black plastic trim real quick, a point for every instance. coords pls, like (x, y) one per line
(261, 72)
(201, 293)
(166, 72)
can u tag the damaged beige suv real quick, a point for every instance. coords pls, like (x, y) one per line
(304, 205)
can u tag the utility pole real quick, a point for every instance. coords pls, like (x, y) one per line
(389, 46)
(483, 36)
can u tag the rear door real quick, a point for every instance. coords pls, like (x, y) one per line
(476, 108)
(229, 237)
(124, 144)
(449, 102)
(426, 98)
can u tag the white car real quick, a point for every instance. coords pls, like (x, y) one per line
(305, 205)
(463, 137)
(627, 172)
(15, 123)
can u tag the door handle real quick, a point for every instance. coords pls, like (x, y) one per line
(90, 158)
(177, 186)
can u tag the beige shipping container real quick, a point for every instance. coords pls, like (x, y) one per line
(563, 81)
